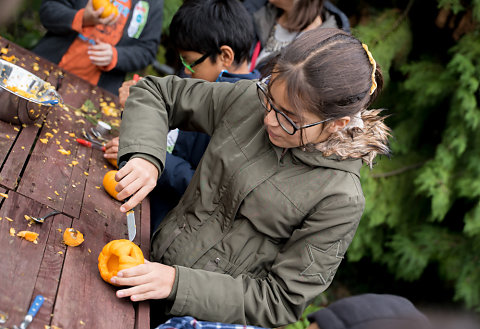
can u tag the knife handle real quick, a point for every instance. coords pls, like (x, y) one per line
(37, 303)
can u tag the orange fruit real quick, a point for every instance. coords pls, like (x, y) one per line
(109, 183)
(107, 5)
(72, 237)
(113, 162)
(118, 255)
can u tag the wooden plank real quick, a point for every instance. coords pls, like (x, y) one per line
(97, 200)
(76, 188)
(21, 259)
(50, 269)
(61, 129)
(3, 42)
(28, 60)
(13, 166)
(83, 297)
(8, 134)
(47, 175)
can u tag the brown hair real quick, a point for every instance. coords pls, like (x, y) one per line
(326, 72)
(305, 13)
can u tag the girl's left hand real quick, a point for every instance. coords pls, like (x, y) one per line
(148, 281)
(100, 54)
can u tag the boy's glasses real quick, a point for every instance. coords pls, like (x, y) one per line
(198, 61)
(285, 122)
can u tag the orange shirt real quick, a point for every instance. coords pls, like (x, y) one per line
(76, 59)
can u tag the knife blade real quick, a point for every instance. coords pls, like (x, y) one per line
(132, 229)
(32, 311)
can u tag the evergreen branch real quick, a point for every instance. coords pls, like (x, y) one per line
(395, 25)
(399, 170)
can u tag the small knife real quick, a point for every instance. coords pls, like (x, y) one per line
(37, 303)
(132, 229)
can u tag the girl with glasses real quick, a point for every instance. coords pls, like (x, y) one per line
(276, 198)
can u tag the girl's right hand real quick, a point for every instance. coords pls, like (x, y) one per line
(137, 178)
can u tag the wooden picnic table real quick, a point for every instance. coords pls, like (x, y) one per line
(38, 178)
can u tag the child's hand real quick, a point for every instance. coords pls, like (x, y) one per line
(124, 91)
(137, 178)
(148, 281)
(111, 149)
(100, 54)
(92, 17)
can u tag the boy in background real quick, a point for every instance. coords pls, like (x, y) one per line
(213, 39)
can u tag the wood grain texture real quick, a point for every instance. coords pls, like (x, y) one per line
(20, 151)
(8, 134)
(22, 260)
(38, 179)
(83, 296)
(51, 268)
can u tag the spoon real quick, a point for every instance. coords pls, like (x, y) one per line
(42, 219)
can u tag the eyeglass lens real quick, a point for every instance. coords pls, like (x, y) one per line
(281, 117)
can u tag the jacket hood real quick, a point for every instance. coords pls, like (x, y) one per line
(364, 139)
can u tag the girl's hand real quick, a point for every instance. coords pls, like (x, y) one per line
(100, 54)
(137, 178)
(111, 149)
(148, 281)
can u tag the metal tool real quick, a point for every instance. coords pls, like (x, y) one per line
(132, 229)
(90, 144)
(37, 303)
(100, 130)
(91, 138)
(42, 219)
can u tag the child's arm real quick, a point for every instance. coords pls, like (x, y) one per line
(156, 105)
(303, 269)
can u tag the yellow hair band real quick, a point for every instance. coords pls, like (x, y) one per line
(374, 64)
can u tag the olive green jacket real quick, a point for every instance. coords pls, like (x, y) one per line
(260, 231)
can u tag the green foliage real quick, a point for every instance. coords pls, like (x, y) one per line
(395, 44)
(25, 29)
(303, 322)
(423, 205)
(170, 7)
(455, 5)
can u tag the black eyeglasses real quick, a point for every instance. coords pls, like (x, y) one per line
(198, 61)
(285, 122)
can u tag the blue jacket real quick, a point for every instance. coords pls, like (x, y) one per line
(180, 165)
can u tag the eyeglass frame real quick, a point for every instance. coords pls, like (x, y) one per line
(198, 61)
(278, 112)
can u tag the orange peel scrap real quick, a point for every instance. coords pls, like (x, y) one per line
(28, 235)
(72, 237)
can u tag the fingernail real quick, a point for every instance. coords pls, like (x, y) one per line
(113, 280)
(120, 274)
(122, 209)
(120, 294)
